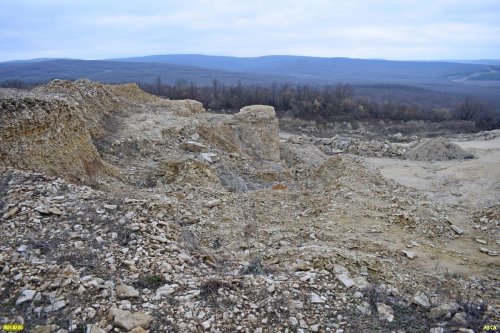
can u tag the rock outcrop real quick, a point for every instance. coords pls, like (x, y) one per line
(47, 135)
(253, 131)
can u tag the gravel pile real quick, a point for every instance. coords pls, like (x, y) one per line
(438, 149)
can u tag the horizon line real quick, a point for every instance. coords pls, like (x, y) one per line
(246, 57)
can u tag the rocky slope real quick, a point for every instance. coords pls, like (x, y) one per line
(199, 222)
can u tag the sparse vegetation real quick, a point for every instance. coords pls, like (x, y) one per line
(255, 267)
(209, 289)
(150, 281)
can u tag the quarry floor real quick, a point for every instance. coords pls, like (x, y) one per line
(462, 187)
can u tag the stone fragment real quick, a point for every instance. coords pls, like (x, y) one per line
(128, 320)
(437, 330)
(409, 254)
(208, 158)
(193, 146)
(206, 325)
(56, 306)
(364, 309)
(91, 312)
(295, 305)
(361, 282)
(94, 329)
(422, 300)
(309, 276)
(212, 203)
(79, 244)
(26, 295)
(123, 291)
(385, 312)
(339, 269)
(314, 328)
(460, 318)
(138, 330)
(316, 299)
(69, 270)
(165, 290)
(21, 248)
(55, 211)
(447, 309)
(11, 213)
(346, 280)
(457, 229)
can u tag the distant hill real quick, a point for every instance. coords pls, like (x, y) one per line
(120, 71)
(202, 69)
(325, 69)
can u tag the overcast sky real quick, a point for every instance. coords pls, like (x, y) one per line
(391, 29)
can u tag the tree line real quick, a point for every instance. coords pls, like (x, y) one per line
(324, 103)
(321, 103)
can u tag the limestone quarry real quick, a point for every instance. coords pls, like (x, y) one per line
(125, 212)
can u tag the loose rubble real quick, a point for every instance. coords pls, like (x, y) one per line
(186, 221)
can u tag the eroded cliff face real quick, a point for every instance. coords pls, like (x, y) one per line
(47, 135)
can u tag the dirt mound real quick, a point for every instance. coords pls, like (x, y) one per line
(438, 149)
(131, 91)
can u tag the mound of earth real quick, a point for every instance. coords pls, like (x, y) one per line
(438, 149)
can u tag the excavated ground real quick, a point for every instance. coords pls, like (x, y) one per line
(213, 223)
